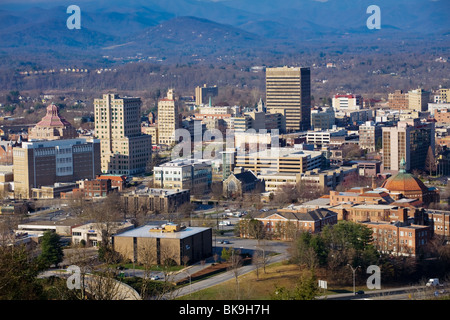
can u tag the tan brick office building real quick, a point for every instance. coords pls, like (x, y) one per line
(156, 244)
(44, 163)
(125, 150)
(155, 200)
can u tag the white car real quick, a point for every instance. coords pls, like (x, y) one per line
(433, 282)
(154, 277)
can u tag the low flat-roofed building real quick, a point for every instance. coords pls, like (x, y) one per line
(367, 168)
(61, 227)
(27, 240)
(91, 233)
(280, 160)
(155, 199)
(317, 179)
(118, 181)
(53, 191)
(192, 174)
(159, 244)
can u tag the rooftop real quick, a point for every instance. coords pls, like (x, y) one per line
(284, 153)
(157, 191)
(146, 232)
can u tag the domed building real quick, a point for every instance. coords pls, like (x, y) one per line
(407, 185)
(52, 127)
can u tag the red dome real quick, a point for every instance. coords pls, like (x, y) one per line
(404, 182)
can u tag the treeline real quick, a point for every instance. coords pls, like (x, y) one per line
(370, 73)
(347, 244)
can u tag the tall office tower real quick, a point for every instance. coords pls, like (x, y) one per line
(168, 119)
(288, 91)
(398, 100)
(125, 150)
(418, 100)
(204, 94)
(410, 141)
(370, 136)
(44, 163)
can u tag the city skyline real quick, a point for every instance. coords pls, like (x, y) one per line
(237, 151)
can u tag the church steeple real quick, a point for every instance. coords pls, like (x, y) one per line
(402, 165)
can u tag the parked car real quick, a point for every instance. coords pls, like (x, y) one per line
(360, 292)
(154, 277)
(226, 242)
(434, 282)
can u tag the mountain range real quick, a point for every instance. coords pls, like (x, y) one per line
(176, 28)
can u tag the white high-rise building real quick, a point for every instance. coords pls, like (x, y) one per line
(124, 149)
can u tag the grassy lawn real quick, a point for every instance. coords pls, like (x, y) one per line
(250, 288)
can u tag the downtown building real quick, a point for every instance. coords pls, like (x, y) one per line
(53, 158)
(168, 119)
(45, 163)
(370, 136)
(280, 160)
(192, 174)
(124, 149)
(288, 92)
(347, 102)
(409, 140)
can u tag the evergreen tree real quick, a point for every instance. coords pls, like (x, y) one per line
(51, 250)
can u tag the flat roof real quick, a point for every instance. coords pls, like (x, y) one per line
(144, 232)
(374, 206)
(156, 191)
(283, 152)
(46, 223)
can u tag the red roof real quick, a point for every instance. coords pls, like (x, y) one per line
(115, 178)
(53, 119)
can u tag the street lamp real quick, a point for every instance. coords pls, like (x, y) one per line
(353, 270)
(190, 283)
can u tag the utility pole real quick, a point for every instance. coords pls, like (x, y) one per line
(354, 271)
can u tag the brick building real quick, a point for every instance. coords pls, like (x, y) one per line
(44, 163)
(287, 222)
(161, 244)
(155, 200)
(399, 239)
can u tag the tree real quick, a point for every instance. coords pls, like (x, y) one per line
(304, 254)
(305, 289)
(256, 229)
(236, 263)
(18, 274)
(226, 253)
(51, 249)
(104, 217)
(430, 161)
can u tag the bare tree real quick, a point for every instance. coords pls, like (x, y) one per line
(430, 161)
(236, 263)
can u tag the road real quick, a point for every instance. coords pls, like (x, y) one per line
(246, 246)
(223, 277)
(404, 293)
